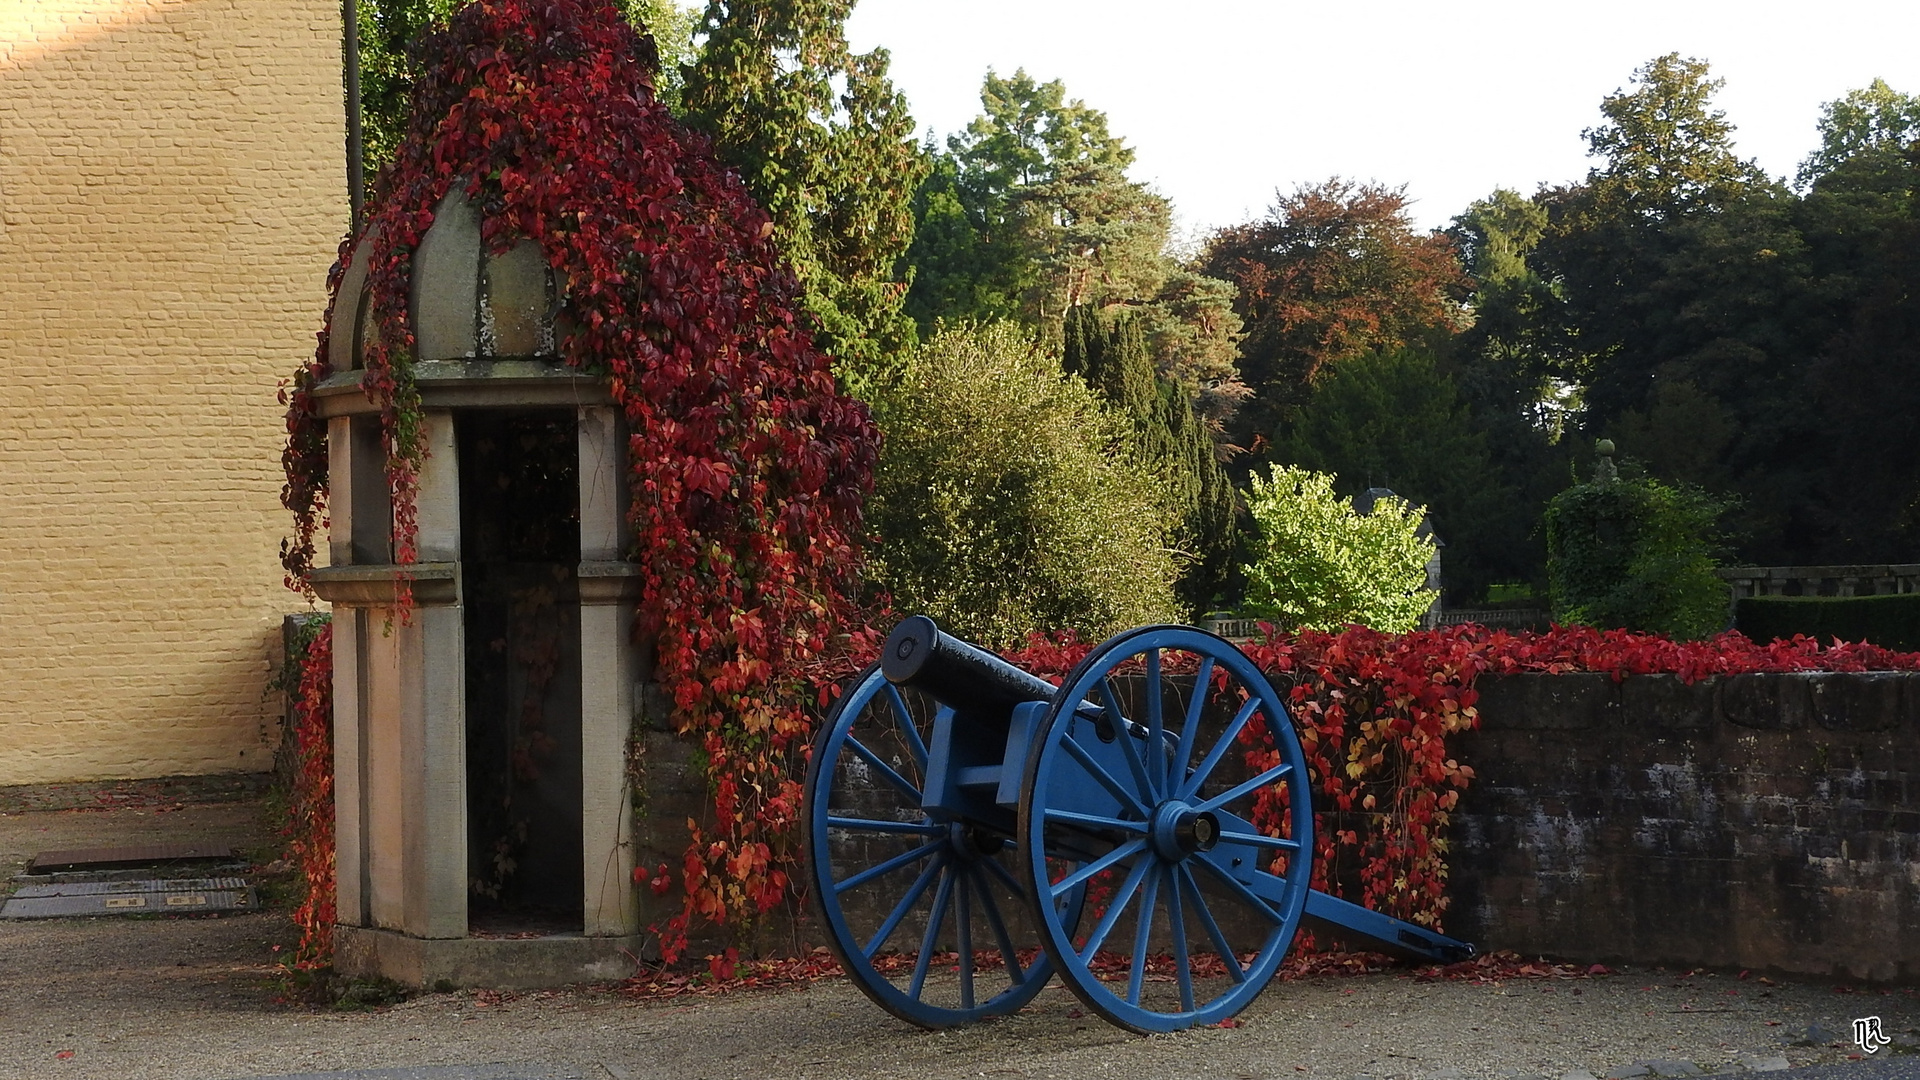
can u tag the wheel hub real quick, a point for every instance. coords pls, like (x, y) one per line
(1180, 831)
(972, 842)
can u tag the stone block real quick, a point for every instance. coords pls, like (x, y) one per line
(494, 963)
(1547, 702)
(1767, 702)
(446, 273)
(344, 329)
(1667, 702)
(1856, 701)
(514, 320)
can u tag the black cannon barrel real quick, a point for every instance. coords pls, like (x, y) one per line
(965, 676)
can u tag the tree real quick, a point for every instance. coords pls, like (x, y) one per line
(1111, 354)
(1006, 499)
(1641, 249)
(1667, 150)
(1319, 564)
(1863, 226)
(1334, 271)
(1517, 369)
(1878, 122)
(1395, 420)
(1029, 213)
(825, 143)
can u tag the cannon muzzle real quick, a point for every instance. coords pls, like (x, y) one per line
(919, 654)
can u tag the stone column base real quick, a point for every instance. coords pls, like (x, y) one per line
(492, 963)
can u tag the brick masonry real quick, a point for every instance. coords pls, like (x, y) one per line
(171, 197)
(1758, 821)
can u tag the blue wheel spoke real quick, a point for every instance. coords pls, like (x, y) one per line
(1220, 943)
(1220, 748)
(889, 866)
(1156, 723)
(1245, 788)
(885, 770)
(1259, 840)
(1121, 898)
(929, 939)
(1006, 877)
(1095, 821)
(1202, 684)
(1244, 894)
(875, 825)
(1131, 847)
(1142, 931)
(963, 934)
(999, 926)
(914, 893)
(1123, 729)
(1182, 967)
(915, 744)
(1101, 776)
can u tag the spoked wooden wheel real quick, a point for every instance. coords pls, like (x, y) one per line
(1145, 773)
(929, 917)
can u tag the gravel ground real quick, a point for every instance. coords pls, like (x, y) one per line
(197, 998)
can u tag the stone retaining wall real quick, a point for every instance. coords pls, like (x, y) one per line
(1768, 821)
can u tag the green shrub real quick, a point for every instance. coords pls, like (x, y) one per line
(1001, 503)
(1319, 564)
(1636, 554)
(1892, 622)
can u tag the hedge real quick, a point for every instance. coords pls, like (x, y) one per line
(1892, 622)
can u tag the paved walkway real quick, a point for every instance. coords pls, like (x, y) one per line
(195, 999)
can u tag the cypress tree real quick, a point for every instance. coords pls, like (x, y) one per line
(1112, 356)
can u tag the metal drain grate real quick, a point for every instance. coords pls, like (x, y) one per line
(176, 897)
(118, 858)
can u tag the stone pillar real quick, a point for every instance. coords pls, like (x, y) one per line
(399, 691)
(609, 671)
(433, 745)
(349, 770)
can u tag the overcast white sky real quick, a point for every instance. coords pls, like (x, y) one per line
(1226, 101)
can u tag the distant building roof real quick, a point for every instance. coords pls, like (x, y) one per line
(1363, 505)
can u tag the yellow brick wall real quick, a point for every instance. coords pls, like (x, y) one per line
(171, 196)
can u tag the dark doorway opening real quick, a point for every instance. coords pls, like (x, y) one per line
(520, 553)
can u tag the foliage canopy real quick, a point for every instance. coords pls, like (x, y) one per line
(825, 144)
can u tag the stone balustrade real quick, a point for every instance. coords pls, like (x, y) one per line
(1883, 579)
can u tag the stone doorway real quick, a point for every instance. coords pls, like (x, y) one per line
(520, 526)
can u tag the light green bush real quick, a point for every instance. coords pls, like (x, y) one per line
(1006, 501)
(1318, 564)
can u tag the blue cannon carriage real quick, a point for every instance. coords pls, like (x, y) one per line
(974, 831)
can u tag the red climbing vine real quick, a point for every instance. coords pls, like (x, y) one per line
(747, 467)
(309, 829)
(1377, 712)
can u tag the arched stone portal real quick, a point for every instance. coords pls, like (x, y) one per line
(484, 824)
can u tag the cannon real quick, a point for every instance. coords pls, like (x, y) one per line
(974, 830)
